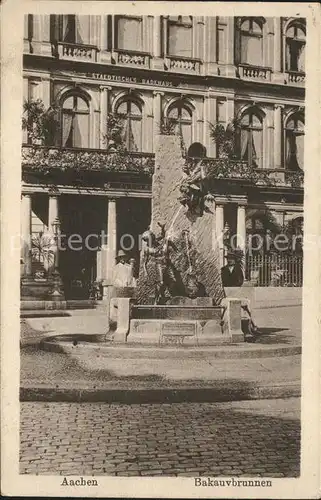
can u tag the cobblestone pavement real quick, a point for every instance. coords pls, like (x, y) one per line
(254, 438)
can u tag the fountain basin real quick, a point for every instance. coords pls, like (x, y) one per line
(177, 332)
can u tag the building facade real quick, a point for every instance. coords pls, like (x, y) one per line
(191, 72)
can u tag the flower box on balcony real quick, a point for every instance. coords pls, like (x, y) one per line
(44, 159)
(226, 168)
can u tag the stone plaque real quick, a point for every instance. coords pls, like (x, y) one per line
(177, 328)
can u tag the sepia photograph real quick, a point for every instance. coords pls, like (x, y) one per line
(162, 248)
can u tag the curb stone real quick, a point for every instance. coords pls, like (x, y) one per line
(219, 393)
(54, 344)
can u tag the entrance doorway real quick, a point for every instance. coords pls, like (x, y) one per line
(82, 220)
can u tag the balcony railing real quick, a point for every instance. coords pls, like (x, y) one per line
(132, 58)
(42, 159)
(254, 72)
(284, 177)
(182, 63)
(77, 52)
(296, 77)
(225, 168)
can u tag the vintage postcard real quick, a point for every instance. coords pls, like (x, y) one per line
(161, 263)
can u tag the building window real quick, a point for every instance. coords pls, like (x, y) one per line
(251, 139)
(131, 112)
(181, 117)
(180, 36)
(251, 41)
(75, 122)
(28, 27)
(129, 33)
(294, 142)
(73, 29)
(295, 48)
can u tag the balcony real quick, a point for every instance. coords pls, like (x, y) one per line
(43, 159)
(76, 52)
(254, 72)
(185, 64)
(131, 58)
(284, 178)
(295, 78)
(225, 168)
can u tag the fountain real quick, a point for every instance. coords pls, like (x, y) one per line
(179, 299)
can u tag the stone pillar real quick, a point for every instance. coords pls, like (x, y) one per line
(26, 233)
(219, 217)
(99, 274)
(241, 227)
(210, 56)
(209, 117)
(157, 105)
(104, 98)
(232, 318)
(157, 61)
(157, 36)
(277, 53)
(229, 48)
(53, 213)
(46, 49)
(111, 240)
(277, 136)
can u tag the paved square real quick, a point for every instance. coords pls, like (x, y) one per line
(253, 438)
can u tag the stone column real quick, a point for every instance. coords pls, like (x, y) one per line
(277, 52)
(157, 105)
(46, 49)
(157, 37)
(53, 213)
(99, 274)
(277, 136)
(210, 57)
(111, 240)
(104, 97)
(241, 227)
(229, 37)
(209, 117)
(219, 217)
(157, 61)
(26, 233)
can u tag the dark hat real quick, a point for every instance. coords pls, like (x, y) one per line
(236, 254)
(230, 253)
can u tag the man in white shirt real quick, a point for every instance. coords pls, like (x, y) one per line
(123, 271)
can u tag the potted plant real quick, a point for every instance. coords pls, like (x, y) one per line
(225, 138)
(114, 136)
(40, 123)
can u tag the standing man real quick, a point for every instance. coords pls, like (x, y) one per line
(232, 273)
(123, 272)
